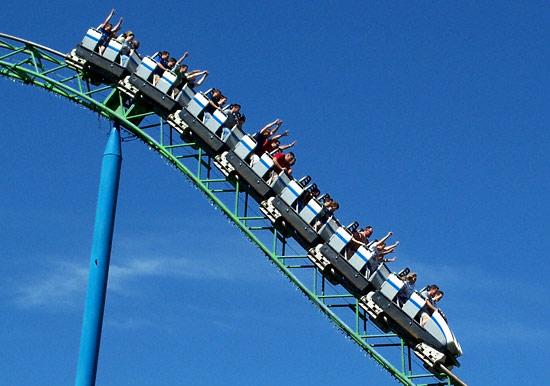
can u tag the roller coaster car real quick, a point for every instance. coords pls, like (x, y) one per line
(193, 129)
(210, 131)
(331, 254)
(434, 343)
(104, 68)
(159, 93)
(296, 208)
(259, 176)
(353, 265)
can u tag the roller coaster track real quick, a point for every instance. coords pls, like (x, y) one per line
(33, 64)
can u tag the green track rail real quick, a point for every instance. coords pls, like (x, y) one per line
(33, 64)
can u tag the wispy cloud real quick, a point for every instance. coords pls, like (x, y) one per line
(166, 267)
(58, 286)
(64, 283)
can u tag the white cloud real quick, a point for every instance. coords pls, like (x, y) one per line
(63, 285)
(178, 267)
(55, 288)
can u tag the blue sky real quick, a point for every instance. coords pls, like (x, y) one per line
(429, 120)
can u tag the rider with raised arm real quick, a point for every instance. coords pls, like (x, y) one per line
(378, 250)
(162, 60)
(264, 134)
(359, 238)
(107, 32)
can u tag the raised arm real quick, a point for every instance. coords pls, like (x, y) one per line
(385, 238)
(117, 26)
(284, 147)
(182, 58)
(392, 246)
(279, 135)
(386, 252)
(269, 126)
(108, 19)
(201, 80)
(279, 123)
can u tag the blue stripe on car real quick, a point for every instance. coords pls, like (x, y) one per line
(146, 66)
(293, 191)
(217, 119)
(168, 80)
(198, 102)
(313, 210)
(114, 49)
(92, 37)
(265, 163)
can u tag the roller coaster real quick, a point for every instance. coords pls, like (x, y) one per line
(287, 218)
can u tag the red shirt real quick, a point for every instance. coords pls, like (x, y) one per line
(268, 146)
(280, 157)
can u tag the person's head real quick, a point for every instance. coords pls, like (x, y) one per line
(315, 192)
(381, 246)
(438, 296)
(222, 100)
(367, 231)
(334, 206)
(241, 120)
(108, 27)
(433, 290)
(327, 202)
(164, 55)
(216, 92)
(275, 143)
(135, 44)
(171, 63)
(235, 108)
(129, 35)
(184, 68)
(411, 278)
(290, 158)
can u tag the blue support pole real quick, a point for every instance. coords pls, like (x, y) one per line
(99, 265)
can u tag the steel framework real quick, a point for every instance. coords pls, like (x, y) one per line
(33, 64)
